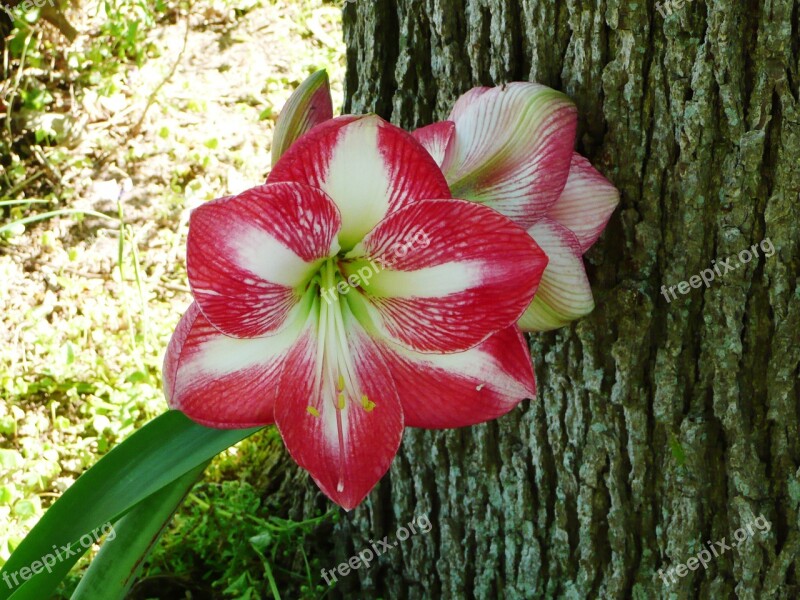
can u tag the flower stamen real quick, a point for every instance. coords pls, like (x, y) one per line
(367, 403)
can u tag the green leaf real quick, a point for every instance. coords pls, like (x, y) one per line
(114, 569)
(137, 377)
(10, 459)
(24, 509)
(162, 451)
(70, 354)
(28, 590)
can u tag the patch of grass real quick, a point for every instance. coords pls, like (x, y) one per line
(228, 538)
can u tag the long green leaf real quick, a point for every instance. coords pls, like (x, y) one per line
(48, 580)
(125, 528)
(163, 450)
(56, 213)
(112, 571)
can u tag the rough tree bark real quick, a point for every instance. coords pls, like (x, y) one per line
(659, 426)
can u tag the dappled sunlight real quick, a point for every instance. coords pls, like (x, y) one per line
(145, 116)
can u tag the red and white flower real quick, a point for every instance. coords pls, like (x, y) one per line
(511, 148)
(428, 341)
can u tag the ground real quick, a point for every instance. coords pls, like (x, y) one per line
(88, 301)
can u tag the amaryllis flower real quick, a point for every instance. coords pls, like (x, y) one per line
(511, 148)
(308, 315)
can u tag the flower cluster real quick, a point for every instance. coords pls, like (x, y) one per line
(432, 340)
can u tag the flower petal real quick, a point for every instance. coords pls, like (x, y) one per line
(564, 293)
(586, 204)
(249, 256)
(309, 105)
(463, 388)
(436, 139)
(466, 100)
(346, 450)
(443, 275)
(512, 149)
(367, 166)
(220, 381)
(169, 369)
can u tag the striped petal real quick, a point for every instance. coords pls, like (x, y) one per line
(586, 204)
(337, 411)
(250, 256)
(467, 100)
(308, 106)
(512, 149)
(436, 139)
(564, 293)
(369, 168)
(220, 381)
(463, 388)
(443, 275)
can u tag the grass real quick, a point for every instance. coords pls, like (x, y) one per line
(108, 144)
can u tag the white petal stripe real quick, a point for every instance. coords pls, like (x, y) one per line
(429, 282)
(268, 258)
(357, 179)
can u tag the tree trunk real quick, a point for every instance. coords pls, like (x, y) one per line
(659, 427)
